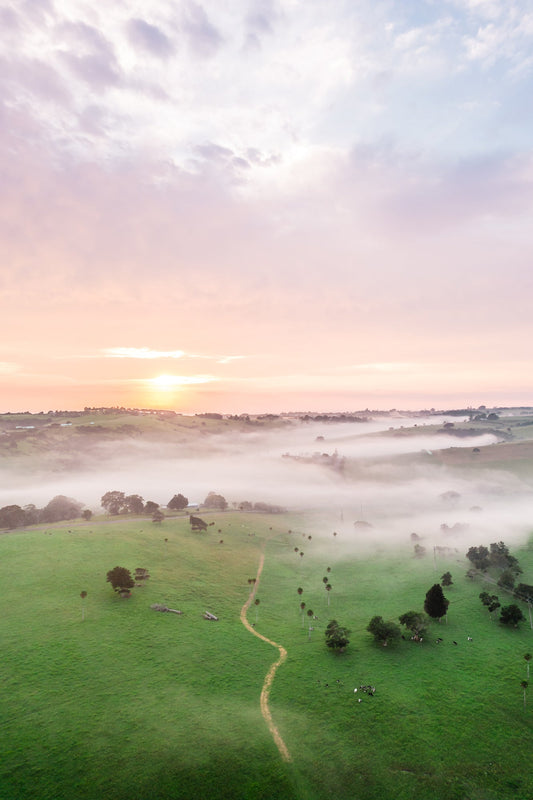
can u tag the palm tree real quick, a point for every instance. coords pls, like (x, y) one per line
(83, 595)
(302, 606)
(256, 609)
(524, 685)
(528, 658)
(299, 590)
(328, 590)
(310, 615)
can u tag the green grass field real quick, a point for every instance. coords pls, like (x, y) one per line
(130, 703)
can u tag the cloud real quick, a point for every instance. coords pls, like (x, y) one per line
(149, 38)
(203, 37)
(171, 381)
(141, 352)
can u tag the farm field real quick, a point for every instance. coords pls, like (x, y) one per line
(127, 702)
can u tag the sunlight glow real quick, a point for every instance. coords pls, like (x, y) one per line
(175, 381)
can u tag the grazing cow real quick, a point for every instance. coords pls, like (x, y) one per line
(197, 524)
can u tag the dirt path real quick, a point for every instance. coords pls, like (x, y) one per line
(265, 691)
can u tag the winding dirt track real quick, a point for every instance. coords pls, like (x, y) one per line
(265, 691)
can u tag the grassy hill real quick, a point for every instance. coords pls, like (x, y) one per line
(129, 702)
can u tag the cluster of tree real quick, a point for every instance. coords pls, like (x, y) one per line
(509, 615)
(265, 508)
(122, 580)
(336, 636)
(58, 509)
(416, 622)
(119, 503)
(498, 556)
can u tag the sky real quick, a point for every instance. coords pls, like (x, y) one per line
(253, 206)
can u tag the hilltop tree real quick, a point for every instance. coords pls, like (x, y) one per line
(383, 632)
(178, 502)
(12, 517)
(112, 502)
(435, 604)
(215, 501)
(60, 508)
(121, 580)
(133, 504)
(337, 636)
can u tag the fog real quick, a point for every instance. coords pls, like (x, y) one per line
(376, 472)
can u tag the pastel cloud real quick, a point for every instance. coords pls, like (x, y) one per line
(308, 186)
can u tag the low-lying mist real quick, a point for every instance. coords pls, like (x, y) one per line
(380, 473)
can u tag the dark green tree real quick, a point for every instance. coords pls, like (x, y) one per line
(435, 604)
(506, 580)
(479, 557)
(383, 632)
(511, 615)
(446, 579)
(337, 636)
(121, 580)
(83, 595)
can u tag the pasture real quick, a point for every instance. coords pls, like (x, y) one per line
(128, 702)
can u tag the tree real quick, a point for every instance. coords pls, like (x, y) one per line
(511, 615)
(302, 608)
(491, 601)
(383, 632)
(60, 508)
(178, 502)
(158, 516)
(420, 551)
(86, 514)
(83, 595)
(12, 517)
(121, 580)
(506, 579)
(337, 636)
(256, 603)
(151, 507)
(446, 579)
(435, 604)
(479, 557)
(215, 501)
(133, 504)
(329, 587)
(524, 685)
(300, 590)
(416, 622)
(112, 502)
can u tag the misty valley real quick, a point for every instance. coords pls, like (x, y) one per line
(349, 597)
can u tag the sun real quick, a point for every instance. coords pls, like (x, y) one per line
(166, 382)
